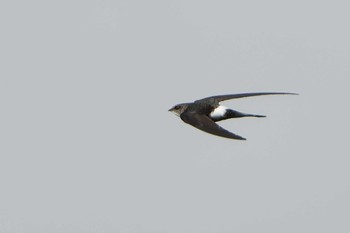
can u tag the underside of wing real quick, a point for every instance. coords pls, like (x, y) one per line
(219, 98)
(204, 123)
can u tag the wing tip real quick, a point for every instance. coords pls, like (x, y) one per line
(237, 137)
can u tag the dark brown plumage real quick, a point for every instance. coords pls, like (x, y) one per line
(203, 113)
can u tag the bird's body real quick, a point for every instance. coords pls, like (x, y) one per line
(203, 113)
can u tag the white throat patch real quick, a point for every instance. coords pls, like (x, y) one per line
(218, 112)
(176, 113)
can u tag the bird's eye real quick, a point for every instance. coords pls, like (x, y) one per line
(177, 107)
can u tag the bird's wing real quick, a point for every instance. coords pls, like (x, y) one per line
(204, 123)
(219, 98)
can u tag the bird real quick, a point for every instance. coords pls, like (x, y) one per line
(204, 113)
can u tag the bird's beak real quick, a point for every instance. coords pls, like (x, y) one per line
(171, 109)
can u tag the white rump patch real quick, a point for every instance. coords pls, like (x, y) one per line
(218, 112)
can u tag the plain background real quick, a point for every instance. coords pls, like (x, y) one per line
(87, 143)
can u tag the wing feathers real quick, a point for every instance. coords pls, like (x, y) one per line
(219, 98)
(204, 123)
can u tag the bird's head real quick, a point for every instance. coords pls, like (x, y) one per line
(179, 109)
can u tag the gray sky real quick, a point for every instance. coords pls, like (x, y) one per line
(87, 144)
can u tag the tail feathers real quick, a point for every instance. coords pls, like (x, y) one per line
(253, 115)
(230, 113)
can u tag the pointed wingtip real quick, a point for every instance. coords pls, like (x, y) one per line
(239, 138)
(282, 93)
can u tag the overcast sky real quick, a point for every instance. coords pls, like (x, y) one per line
(87, 143)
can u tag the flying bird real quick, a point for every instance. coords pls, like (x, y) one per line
(203, 113)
